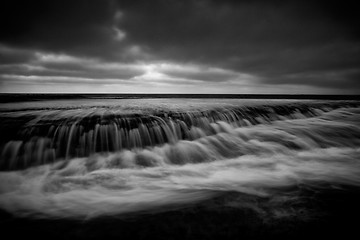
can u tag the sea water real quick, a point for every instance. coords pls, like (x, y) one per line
(90, 158)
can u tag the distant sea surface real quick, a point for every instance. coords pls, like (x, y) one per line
(173, 166)
(11, 97)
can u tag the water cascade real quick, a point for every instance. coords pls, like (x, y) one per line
(42, 138)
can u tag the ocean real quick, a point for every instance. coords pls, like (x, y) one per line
(179, 166)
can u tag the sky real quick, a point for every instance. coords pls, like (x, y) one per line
(180, 46)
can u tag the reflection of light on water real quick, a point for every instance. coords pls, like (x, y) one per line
(259, 160)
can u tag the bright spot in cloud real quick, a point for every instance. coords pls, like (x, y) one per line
(119, 34)
(55, 58)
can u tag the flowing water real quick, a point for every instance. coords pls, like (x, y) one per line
(84, 159)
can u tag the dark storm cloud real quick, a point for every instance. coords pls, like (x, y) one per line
(63, 67)
(53, 80)
(282, 42)
(11, 56)
(347, 80)
(55, 25)
(95, 72)
(250, 36)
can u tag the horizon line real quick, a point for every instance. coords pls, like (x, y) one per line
(101, 93)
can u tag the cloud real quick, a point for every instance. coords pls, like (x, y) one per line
(53, 79)
(12, 55)
(255, 38)
(82, 28)
(347, 80)
(234, 45)
(45, 64)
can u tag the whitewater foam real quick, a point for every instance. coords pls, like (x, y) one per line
(262, 160)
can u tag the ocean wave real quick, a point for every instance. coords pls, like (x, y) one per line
(262, 160)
